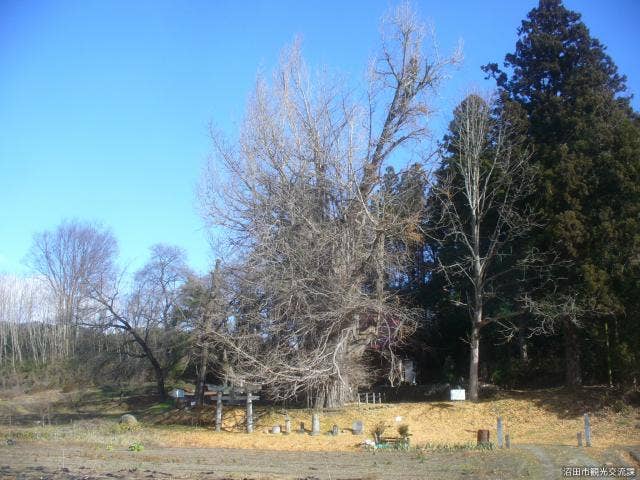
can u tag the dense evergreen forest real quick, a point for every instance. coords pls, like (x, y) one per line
(510, 256)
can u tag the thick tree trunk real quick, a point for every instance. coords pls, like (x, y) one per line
(573, 372)
(332, 395)
(474, 360)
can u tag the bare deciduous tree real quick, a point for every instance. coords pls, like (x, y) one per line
(69, 258)
(478, 195)
(150, 314)
(297, 195)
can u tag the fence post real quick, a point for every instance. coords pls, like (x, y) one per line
(579, 435)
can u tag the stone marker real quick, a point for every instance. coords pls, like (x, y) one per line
(302, 429)
(275, 429)
(483, 437)
(287, 425)
(499, 432)
(128, 419)
(335, 430)
(587, 430)
(357, 427)
(315, 424)
(507, 441)
(579, 435)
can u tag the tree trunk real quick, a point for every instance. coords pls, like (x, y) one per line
(522, 344)
(573, 372)
(211, 313)
(160, 382)
(474, 361)
(202, 375)
(608, 346)
(332, 395)
(159, 372)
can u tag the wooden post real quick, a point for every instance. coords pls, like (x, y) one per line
(358, 399)
(499, 432)
(249, 413)
(507, 441)
(579, 435)
(219, 411)
(315, 424)
(366, 397)
(587, 430)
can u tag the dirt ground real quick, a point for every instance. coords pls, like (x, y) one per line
(38, 460)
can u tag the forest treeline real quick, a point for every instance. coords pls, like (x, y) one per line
(508, 254)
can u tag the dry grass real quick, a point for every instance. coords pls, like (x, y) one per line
(540, 417)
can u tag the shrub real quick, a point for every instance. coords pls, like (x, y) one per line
(378, 431)
(136, 447)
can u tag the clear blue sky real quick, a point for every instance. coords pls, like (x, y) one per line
(104, 105)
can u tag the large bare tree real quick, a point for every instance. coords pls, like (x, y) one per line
(297, 194)
(479, 198)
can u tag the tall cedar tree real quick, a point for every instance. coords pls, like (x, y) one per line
(586, 140)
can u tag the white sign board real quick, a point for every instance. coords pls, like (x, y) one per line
(457, 394)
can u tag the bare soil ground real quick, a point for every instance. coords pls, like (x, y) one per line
(46, 460)
(37, 460)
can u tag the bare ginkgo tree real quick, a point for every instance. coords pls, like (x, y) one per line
(298, 195)
(479, 207)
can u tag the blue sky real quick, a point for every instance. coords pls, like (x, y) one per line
(105, 105)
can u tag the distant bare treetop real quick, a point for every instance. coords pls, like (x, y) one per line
(71, 257)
